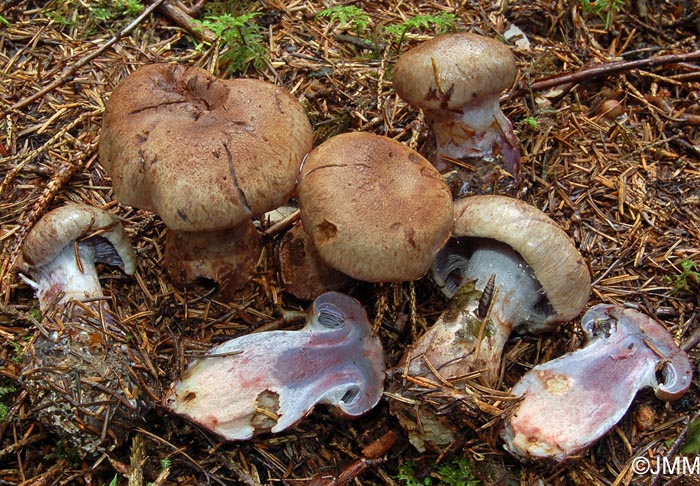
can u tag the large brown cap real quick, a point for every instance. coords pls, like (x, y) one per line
(451, 70)
(375, 209)
(204, 153)
(66, 224)
(558, 266)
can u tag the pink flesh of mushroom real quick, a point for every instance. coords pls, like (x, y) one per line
(571, 402)
(270, 380)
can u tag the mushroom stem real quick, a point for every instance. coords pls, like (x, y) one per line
(477, 130)
(228, 257)
(460, 342)
(69, 276)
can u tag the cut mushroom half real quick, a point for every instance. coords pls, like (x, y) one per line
(269, 381)
(569, 403)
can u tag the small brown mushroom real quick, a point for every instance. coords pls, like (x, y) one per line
(268, 381)
(457, 79)
(61, 250)
(84, 372)
(375, 209)
(569, 403)
(207, 155)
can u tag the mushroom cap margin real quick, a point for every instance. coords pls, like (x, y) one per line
(557, 264)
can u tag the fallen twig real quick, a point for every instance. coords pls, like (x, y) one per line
(371, 455)
(183, 19)
(605, 69)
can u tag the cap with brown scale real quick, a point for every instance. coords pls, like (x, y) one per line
(449, 71)
(206, 154)
(375, 209)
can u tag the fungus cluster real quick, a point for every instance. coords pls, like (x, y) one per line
(211, 155)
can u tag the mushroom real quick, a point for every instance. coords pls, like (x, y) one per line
(457, 79)
(572, 401)
(507, 267)
(528, 277)
(61, 250)
(207, 155)
(84, 372)
(375, 210)
(268, 381)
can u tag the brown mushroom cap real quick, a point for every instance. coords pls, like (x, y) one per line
(70, 222)
(375, 209)
(451, 70)
(557, 264)
(204, 153)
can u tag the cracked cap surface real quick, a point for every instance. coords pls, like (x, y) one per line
(204, 153)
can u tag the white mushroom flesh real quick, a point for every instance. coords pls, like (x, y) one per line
(68, 276)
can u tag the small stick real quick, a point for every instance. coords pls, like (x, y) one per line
(692, 341)
(283, 224)
(182, 18)
(372, 455)
(605, 69)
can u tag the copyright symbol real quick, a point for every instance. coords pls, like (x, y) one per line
(640, 465)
